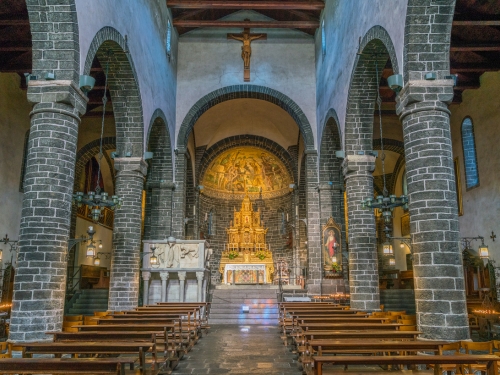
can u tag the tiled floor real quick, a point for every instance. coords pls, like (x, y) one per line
(232, 349)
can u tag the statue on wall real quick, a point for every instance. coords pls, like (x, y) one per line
(246, 50)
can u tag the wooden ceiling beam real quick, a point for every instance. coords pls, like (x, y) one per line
(15, 49)
(15, 22)
(249, 4)
(477, 23)
(475, 48)
(249, 24)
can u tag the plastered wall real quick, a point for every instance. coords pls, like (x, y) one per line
(345, 23)
(14, 123)
(209, 61)
(481, 204)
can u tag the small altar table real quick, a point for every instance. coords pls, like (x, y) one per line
(247, 273)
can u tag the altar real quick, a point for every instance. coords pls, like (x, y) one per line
(246, 258)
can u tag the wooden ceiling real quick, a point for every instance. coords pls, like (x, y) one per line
(475, 42)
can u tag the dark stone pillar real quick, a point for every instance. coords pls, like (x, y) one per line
(124, 282)
(363, 259)
(159, 209)
(179, 196)
(313, 225)
(437, 260)
(40, 282)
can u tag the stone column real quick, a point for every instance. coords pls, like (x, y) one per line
(363, 259)
(437, 259)
(146, 275)
(199, 277)
(179, 195)
(164, 280)
(315, 273)
(182, 283)
(40, 282)
(124, 278)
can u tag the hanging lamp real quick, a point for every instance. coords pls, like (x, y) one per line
(97, 200)
(385, 202)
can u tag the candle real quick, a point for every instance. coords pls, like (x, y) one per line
(287, 216)
(297, 211)
(91, 229)
(194, 210)
(206, 216)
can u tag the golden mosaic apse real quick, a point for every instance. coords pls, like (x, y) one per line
(246, 169)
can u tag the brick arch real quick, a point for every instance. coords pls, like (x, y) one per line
(123, 87)
(51, 21)
(246, 140)
(433, 20)
(376, 48)
(244, 92)
(330, 142)
(159, 142)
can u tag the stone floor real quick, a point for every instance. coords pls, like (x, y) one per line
(232, 349)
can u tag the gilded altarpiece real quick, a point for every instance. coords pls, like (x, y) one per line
(246, 258)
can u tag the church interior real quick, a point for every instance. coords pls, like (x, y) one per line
(255, 169)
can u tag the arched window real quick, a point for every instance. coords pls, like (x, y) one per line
(470, 158)
(169, 39)
(323, 38)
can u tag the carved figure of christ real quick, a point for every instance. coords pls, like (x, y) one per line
(246, 50)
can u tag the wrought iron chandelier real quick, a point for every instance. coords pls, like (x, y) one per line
(97, 200)
(385, 203)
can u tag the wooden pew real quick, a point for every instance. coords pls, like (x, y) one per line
(93, 347)
(435, 360)
(349, 326)
(66, 366)
(365, 346)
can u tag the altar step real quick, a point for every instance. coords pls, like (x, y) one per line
(227, 306)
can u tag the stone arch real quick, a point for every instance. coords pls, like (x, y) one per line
(397, 147)
(55, 21)
(123, 87)
(243, 92)
(376, 48)
(330, 141)
(422, 18)
(246, 140)
(159, 178)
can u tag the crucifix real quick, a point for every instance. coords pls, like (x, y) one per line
(246, 50)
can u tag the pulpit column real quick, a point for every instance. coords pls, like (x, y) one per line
(199, 277)
(145, 291)
(164, 279)
(182, 283)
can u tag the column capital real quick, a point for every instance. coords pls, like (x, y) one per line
(200, 275)
(182, 275)
(424, 95)
(132, 164)
(63, 92)
(146, 275)
(164, 276)
(358, 165)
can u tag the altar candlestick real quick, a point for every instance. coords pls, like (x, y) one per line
(297, 211)
(194, 210)
(287, 216)
(206, 216)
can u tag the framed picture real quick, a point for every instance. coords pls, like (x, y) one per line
(405, 225)
(458, 186)
(332, 243)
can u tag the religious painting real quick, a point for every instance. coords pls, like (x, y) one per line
(458, 186)
(332, 244)
(405, 225)
(246, 170)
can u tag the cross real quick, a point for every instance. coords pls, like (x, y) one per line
(246, 50)
(493, 236)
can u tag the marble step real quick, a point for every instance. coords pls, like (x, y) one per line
(237, 309)
(243, 320)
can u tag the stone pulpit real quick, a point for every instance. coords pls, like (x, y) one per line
(246, 258)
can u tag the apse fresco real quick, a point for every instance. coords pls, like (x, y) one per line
(246, 169)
